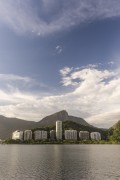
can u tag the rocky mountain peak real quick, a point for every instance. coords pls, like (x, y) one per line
(62, 115)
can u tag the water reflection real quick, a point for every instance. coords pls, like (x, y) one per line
(59, 162)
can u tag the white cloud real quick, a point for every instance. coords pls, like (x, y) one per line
(44, 17)
(94, 96)
(97, 93)
(65, 71)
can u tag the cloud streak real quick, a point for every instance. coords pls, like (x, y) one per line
(44, 17)
(12, 77)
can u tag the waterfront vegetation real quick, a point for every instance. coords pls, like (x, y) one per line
(10, 141)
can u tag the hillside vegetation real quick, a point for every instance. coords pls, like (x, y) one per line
(114, 133)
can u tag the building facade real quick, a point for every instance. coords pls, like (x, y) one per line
(37, 135)
(52, 135)
(59, 130)
(84, 135)
(17, 135)
(71, 134)
(27, 135)
(44, 135)
(40, 135)
(95, 136)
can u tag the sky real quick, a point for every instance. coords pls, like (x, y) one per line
(60, 54)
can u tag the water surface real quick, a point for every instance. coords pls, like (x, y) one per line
(59, 162)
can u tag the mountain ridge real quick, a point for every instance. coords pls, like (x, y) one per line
(62, 116)
(8, 125)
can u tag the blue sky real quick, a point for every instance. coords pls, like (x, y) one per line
(58, 55)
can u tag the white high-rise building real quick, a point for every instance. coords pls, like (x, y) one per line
(27, 135)
(95, 136)
(84, 135)
(17, 135)
(59, 130)
(40, 135)
(71, 134)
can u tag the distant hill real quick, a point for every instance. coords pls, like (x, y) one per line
(8, 125)
(62, 116)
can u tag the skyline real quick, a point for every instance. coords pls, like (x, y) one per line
(57, 55)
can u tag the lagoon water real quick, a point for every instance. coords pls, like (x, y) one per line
(59, 162)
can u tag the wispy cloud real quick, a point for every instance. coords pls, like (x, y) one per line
(12, 82)
(58, 49)
(44, 17)
(12, 77)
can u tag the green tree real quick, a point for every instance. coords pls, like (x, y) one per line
(116, 132)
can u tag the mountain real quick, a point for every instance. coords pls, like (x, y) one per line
(8, 125)
(62, 116)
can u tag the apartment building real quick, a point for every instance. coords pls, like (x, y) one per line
(27, 135)
(95, 136)
(17, 135)
(40, 135)
(71, 134)
(52, 135)
(84, 135)
(59, 130)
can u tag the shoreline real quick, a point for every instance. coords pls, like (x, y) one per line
(60, 142)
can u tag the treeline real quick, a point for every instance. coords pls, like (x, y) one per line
(48, 141)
